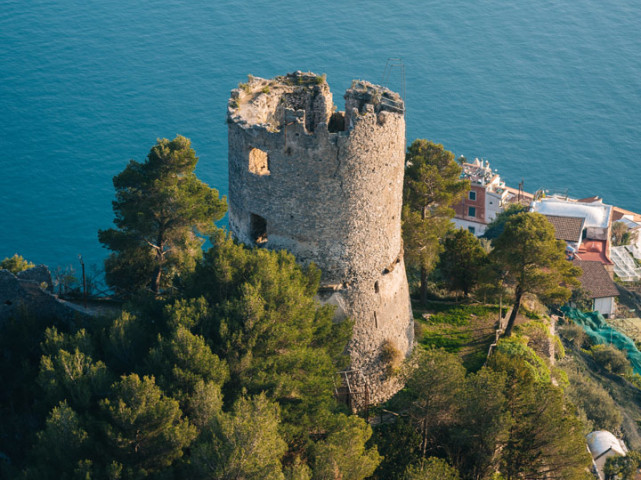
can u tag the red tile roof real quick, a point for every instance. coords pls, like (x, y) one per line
(596, 280)
(617, 214)
(567, 228)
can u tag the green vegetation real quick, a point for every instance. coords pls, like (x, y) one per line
(432, 185)
(495, 227)
(504, 418)
(160, 208)
(594, 401)
(464, 329)
(621, 235)
(231, 379)
(433, 468)
(611, 358)
(228, 369)
(15, 264)
(622, 468)
(534, 261)
(462, 261)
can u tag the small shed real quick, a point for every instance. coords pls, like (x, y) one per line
(596, 280)
(603, 445)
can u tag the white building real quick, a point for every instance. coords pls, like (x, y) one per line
(603, 445)
(597, 282)
(487, 197)
(594, 241)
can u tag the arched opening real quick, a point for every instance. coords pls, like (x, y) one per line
(258, 229)
(258, 162)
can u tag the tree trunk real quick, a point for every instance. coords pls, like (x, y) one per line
(423, 288)
(160, 256)
(155, 284)
(515, 311)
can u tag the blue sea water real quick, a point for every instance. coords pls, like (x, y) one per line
(548, 91)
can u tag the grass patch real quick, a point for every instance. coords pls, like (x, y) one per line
(458, 328)
(458, 315)
(451, 339)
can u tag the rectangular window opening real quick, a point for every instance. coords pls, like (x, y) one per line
(258, 162)
(472, 195)
(471, 211)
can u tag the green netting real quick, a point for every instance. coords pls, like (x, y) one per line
(600, 332)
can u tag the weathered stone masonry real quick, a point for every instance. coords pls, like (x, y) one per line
(327, 186)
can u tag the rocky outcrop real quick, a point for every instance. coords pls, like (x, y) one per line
(40, 275)
(30, 291)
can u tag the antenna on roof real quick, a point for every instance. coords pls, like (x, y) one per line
(394, 62)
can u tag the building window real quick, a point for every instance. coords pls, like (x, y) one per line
(258, 162)
(471, 211)
(472, 195)
(472, 230)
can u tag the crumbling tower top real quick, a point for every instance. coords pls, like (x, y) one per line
(305, 96)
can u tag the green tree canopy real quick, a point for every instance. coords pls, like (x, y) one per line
(344, 455)
(433, 388)
(462, 260)
(432, 184)
(431, 469)
(545, 437)
(622, 468)
(60, 447)
(145, 430)
(496, 226)
(258, 309)
(242, 444)
(160, 208)
(533, 261)
(15, 264)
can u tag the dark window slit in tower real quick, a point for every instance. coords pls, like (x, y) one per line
(258, 229)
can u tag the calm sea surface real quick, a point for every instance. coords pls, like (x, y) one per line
(548, 91)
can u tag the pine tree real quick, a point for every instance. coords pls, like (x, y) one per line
(432, 185)
(533, 261)
(462, 261)
(160, 208)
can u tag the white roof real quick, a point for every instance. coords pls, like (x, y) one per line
(596, 214)
(601, 441)
(629, 221)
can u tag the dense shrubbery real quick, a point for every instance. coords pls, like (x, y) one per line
(611, 358)
(599, 407)
(15, 264)
(231, 379)
(507, 417)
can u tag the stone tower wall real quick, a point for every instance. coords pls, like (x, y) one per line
(328, 188)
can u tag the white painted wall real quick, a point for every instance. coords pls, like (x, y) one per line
(492, 205)
(479, 228)
(605, 306)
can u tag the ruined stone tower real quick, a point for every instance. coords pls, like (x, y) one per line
(327, 186)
